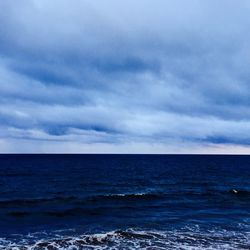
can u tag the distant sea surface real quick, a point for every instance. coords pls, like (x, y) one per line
(124, 202)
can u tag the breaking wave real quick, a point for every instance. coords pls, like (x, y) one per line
(137, 239)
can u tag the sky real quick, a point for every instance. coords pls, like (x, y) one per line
(114, 76)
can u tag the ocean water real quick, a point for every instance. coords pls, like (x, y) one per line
(124, 202)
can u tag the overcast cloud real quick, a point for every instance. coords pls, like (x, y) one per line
(125, 76)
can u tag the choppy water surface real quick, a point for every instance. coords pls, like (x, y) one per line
(124, 202)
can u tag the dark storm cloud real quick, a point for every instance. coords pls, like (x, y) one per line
(129, 72)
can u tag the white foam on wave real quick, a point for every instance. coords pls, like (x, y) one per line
(187, 238)
(127, 194)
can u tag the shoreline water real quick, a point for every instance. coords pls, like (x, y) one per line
(187, 238)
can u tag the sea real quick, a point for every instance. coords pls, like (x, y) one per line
(110, 201)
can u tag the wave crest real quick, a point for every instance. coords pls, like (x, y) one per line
(136, 239)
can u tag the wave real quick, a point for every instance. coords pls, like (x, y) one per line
(136, 239)
(76, 200)
(172, 193)
(78, 209)
(128, 196)
(36, 201)
(123, 197)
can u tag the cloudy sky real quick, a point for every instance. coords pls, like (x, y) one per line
(144, 76)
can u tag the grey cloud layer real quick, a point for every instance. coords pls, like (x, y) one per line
(116, 72)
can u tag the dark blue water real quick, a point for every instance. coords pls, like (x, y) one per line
(124, 202)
